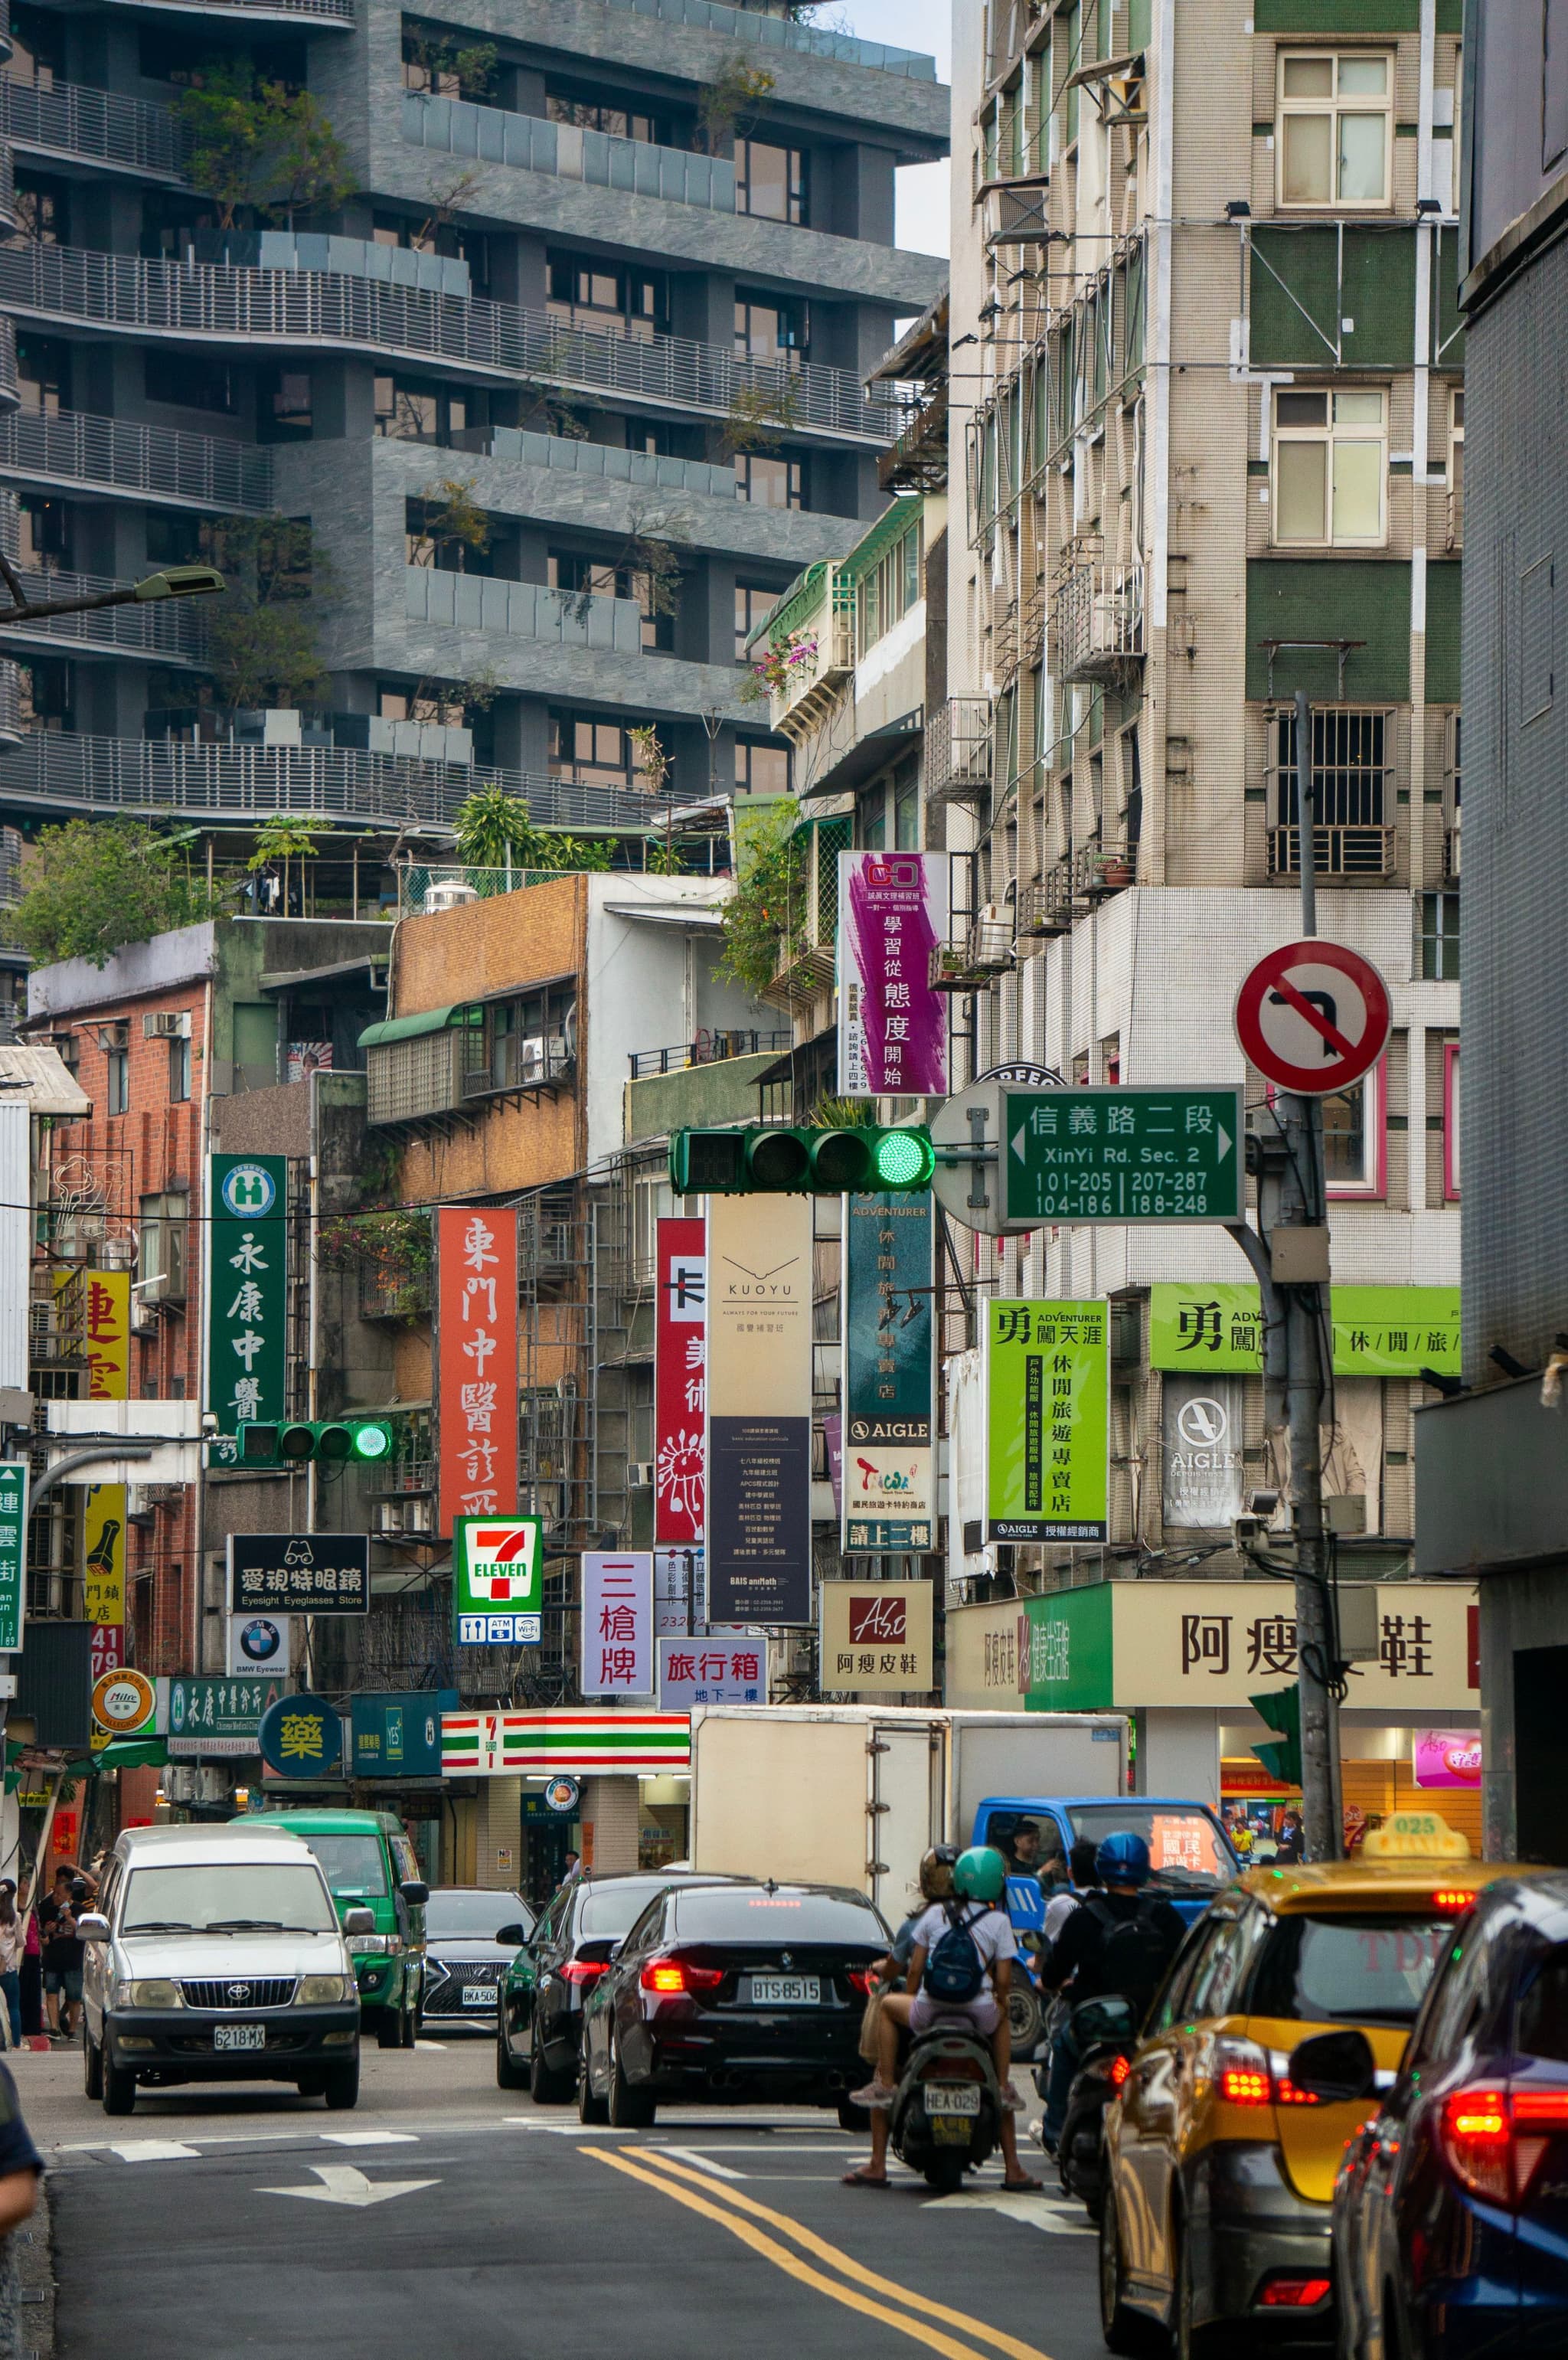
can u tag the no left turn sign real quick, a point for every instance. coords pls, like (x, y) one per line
(1314, 1017)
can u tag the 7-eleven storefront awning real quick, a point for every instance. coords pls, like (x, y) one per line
(581, 1744)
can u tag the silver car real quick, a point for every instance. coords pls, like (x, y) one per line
(215, 1957)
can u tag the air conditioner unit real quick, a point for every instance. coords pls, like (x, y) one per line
(414, 1516)
(213, 1784)
(139, 1507)
(991, 939)
(144, 1315)
(179, 1782)
(448, 894)
(640, 1475)
(167, 1024)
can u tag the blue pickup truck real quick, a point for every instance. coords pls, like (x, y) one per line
(1191, 1852)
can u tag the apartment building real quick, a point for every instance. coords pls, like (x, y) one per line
(565, 390)
(1208, 406)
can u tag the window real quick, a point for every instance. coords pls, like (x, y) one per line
(1347, 1970)
(1456, 468)
(592, 111)
(408, 412)
(1353, 836)
(770, 482)
(580, 576)
(161, 1240)
(1438, 940)
(871, 820)
(37, 52)
(114, 1042)
(891, 587)
(1333, 128)
(907, 805)
(43, 374)
(1330, 468)
(633, 303)
(518, 1045)
(283, 405)
(43, 686)
(769, 330)
(43, 535)
(41, 214)
(188, 381)
(769, 181)
(1451, 1121)
(1356, 1137)
(761, 769)
(592, 752)
(651, 1197)
(753, 600)
(179, 1072)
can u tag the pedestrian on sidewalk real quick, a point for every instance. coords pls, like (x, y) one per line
(21, 2168)
(32, 1967)
(10, 1965)
(63, 1951)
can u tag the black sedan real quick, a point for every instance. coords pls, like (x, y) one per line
(543, 1990)
(470, 1938)
(732, 1991)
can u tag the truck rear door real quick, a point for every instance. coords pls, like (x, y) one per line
(902, 1797)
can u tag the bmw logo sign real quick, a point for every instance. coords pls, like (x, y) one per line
(260, 1641)
(247, 1191)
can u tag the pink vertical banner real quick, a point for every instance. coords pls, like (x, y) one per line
(618, 1624)
(892, 1022)
(476, 1361)
(679, 1382)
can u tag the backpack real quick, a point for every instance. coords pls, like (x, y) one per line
(954, 1971)
(1134, 1953)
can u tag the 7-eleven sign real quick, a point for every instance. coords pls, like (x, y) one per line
(497, 1561)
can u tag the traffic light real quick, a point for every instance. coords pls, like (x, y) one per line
(771, 1161)
(1281, 1757)
(329, 1440)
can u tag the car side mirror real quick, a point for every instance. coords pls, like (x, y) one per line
(516, 1935)
(415, 1892)
(359, 1921)
(93, 1927)
(616, 1948)
(1336, 2066)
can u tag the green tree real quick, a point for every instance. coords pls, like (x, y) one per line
(735, 96)
(447, 515)
(768, 908)
(261, 146)
(95, 885)
(262, 644)
(495, 830)
(758, 417)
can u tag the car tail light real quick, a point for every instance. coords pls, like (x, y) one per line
(669, 1976)
(1119, 2069)
(861, 1980)
(1241, 2073)
(1478, 2141)
(1287, 2094)
(584, 1970)
(1288, 2292)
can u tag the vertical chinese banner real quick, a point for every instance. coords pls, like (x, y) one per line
(759, 1410)
(97, 1305)
(617, 1625)
(1048, 1395)
(888, 1485)
(477, 1361)
(679, 1382)
(892, 1024)
(103, 1574)
(13, 1553)
(247, 1289)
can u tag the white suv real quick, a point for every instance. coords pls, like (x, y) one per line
(217, 1957)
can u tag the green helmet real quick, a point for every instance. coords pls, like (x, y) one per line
(980, 1873)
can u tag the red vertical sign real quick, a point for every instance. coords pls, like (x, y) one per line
(477, 1386)
(680, 1383)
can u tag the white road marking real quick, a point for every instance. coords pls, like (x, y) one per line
(151, 2150)
(431, 2047)
(1017, 2204)
(344, 2183)
(371, 2138)
(704, 2162)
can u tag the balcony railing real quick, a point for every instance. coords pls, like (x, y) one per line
(50, 768)
(100, 125)
(322, 12)
(707, 1049)
(212, 305)
(564, 452)
(1097, 620)
(1045, 908)
(1019, 633)
(493, 135)
(1100, 869)
(809, 650)
(472, 602)
(958, 749)
(1361, 849)
(170, 629)
(759, 32)
(9, 396)
(917, 461)
(72, 448)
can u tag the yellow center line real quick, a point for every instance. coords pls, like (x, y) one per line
(791, 2264)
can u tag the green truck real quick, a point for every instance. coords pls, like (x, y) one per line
(369, 1864)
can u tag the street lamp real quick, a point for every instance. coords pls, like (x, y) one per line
(174, 582)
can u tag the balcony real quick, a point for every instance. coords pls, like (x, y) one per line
(171, 632)
(337, 311)
(759, 32)
(95, 127)
(808, 954)
(1046, 909)
(958, 750)
(917, 461)
(707, 1049)
(491, 134)
(1358, 849)
(1097, 621)
(320, 13)
(716, 1083)
(73, 451)
(50, 771)
(1100, 869)
(472, 602)
(562, 451)
(1018, 638)
(809, 651)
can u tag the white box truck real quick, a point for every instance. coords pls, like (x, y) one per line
(852, 1794)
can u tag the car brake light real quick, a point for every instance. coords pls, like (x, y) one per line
(861, 1979)
(1293, 2293)
(671, 1976)
(1120, 2068)
(1540, 2108)
(1286, 2094)
(1477, 2139)
(584, 1970)
(1240, 2086)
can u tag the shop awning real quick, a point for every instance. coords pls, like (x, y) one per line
(409, 1028)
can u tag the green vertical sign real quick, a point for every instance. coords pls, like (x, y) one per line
(13, 1553)
(1047, 1401)
(247, 1288)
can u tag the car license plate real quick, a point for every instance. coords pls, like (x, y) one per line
(239, 2036)
(478, 1994)
(785, 1990)
(952, 2098)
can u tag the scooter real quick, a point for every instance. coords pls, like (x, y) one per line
(1106, 2034)
(946, 2116)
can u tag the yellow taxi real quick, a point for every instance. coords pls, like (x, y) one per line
(1218, 2169)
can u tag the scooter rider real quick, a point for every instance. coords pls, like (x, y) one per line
(975, 1915)
(1116, 1944)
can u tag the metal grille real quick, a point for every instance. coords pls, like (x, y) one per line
(1353, 835)
(70, 119)
(75, 448)
(407, 1080)
(236, 1993)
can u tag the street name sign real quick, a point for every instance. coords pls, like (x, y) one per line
(1114, 1154)
(1314, 1017)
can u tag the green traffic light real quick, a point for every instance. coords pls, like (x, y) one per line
(904, 1159)
(372, 1439)
(828, 1160)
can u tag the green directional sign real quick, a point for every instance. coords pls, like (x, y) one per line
(1117, 1155)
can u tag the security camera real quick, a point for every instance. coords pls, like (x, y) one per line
(1264, 1505)
(1246, 1530)
(209, 1422)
